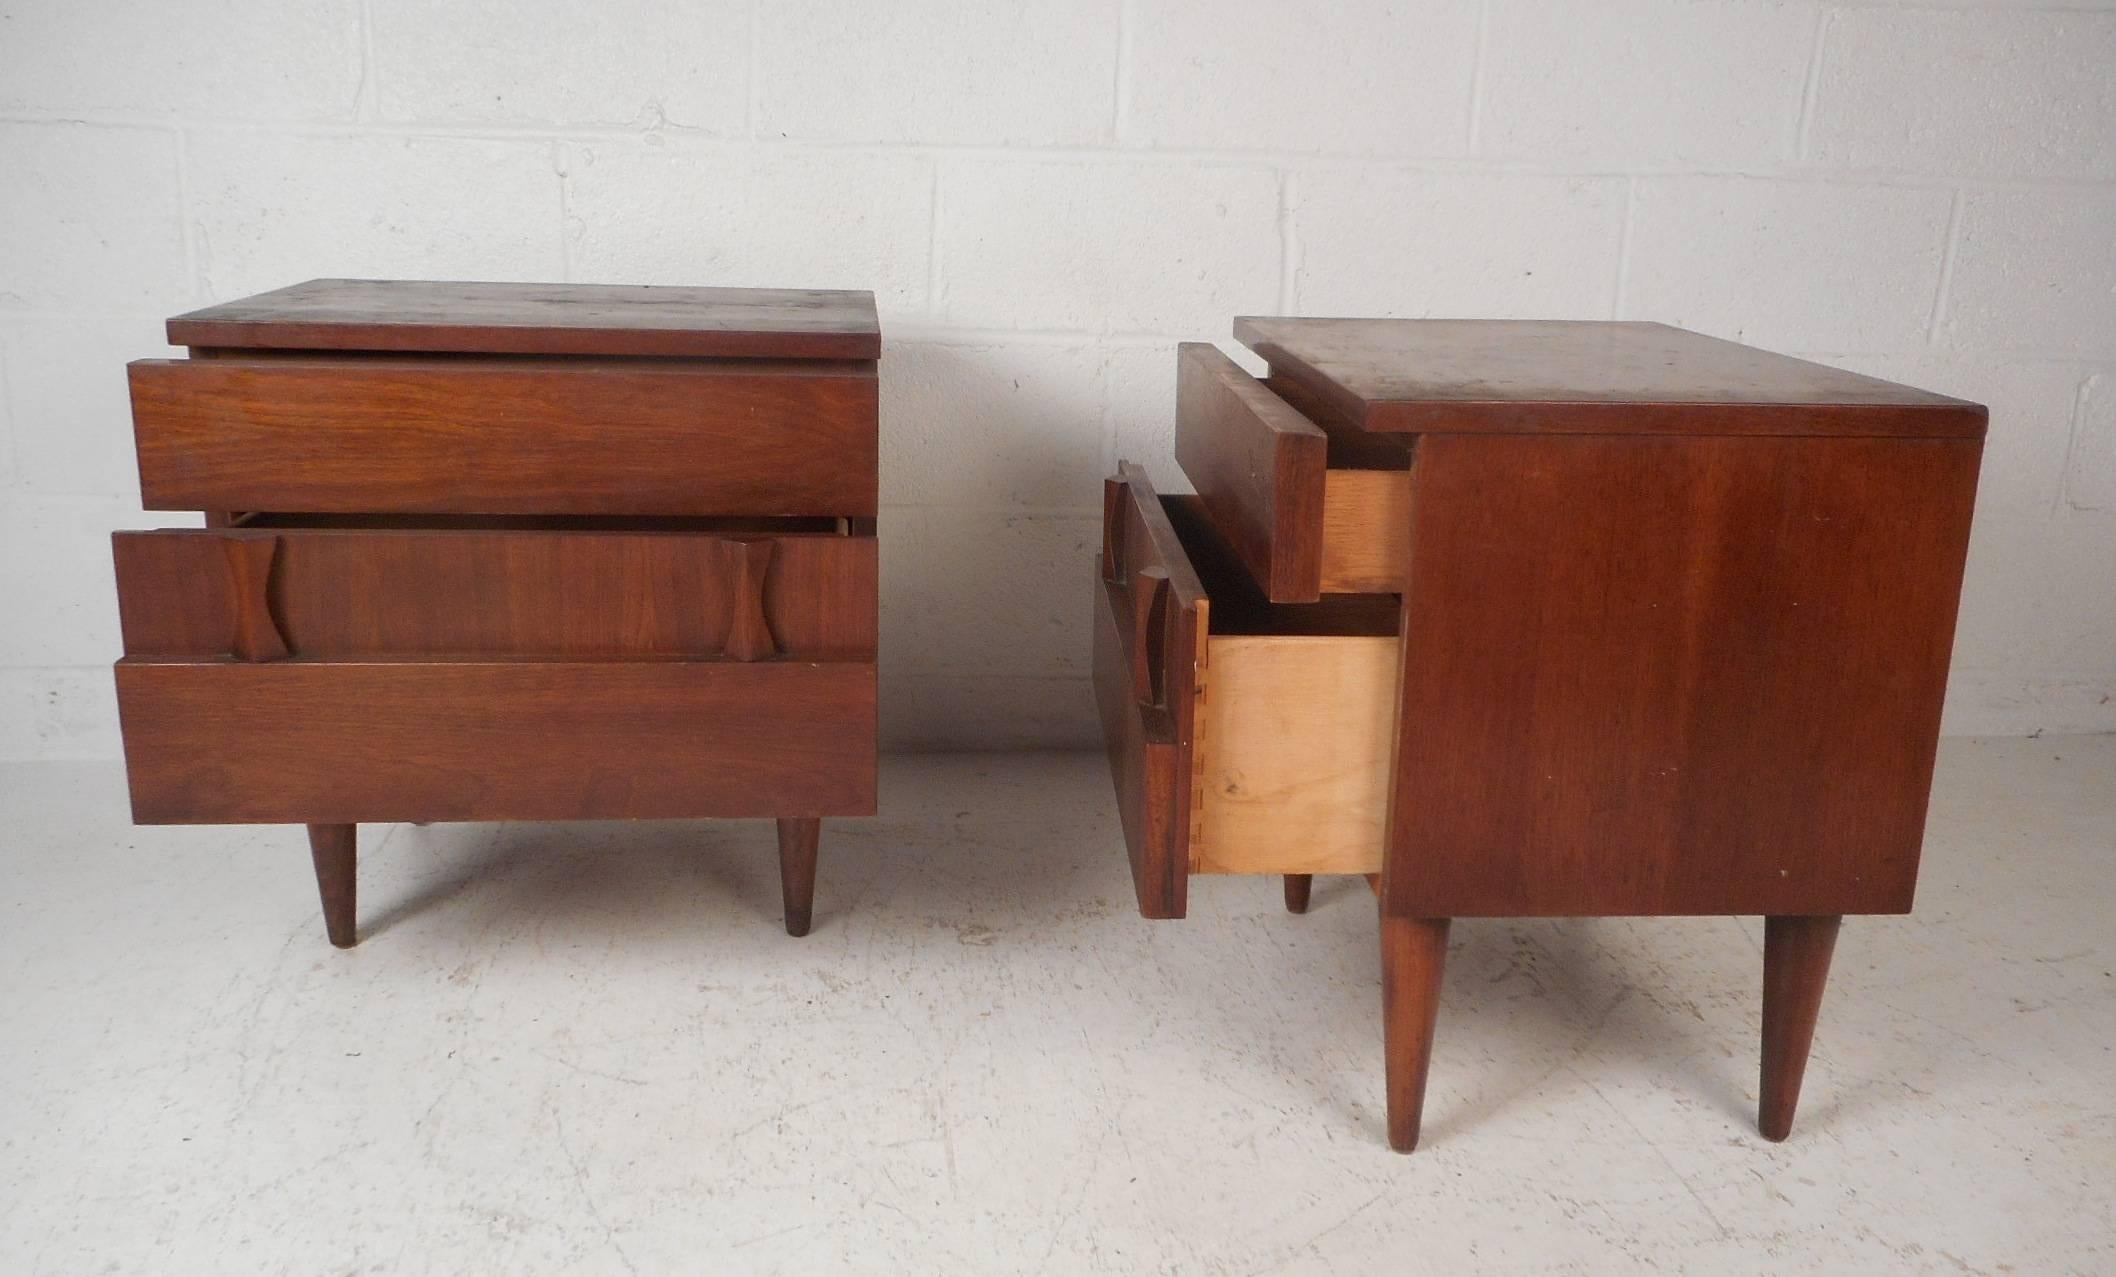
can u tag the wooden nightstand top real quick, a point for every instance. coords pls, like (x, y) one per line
(1464, 376)
(542, 319)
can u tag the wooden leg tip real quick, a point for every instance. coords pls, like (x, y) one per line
(797, 922)
(1298, 887)
(1776, 1130)
(342, 941)
(1400, 1143)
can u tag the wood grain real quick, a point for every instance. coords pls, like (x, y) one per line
(1258, 468)
(1364, 514)
(1673, 676)
(1298, 889)
(749, 636)
(1150, 729)
(799, 838)
(499, 436)
(1450, 376)
(253, 632)
(1796, 955)
(1296, 742)
(542, 319)
(334, 850)
(1413, 960)
(352, 593)
(340, 743)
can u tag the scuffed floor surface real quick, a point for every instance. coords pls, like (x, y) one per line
(591, 1049)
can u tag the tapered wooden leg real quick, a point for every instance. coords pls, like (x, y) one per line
(1413, 954)
(1297, 888)
(333, 848)
(1796, 953)
(797, 870)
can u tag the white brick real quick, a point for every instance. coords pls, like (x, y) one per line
(2090, 469)
(55, 575)
(66, 394)
(615, 62)
(250, 59)
(938, 71)
(1409, 244)
(93, 218)
(946, 712)
(1660, 83)
(1787, 265)
(271, 210)
(2035, 270)
(685, 213)
(1954, 93)
(1121, 246)
(58, 713)
(1142, 410)
(1395, 81)
(983, 593)
(991, 425)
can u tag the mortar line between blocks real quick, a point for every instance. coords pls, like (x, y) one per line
(1623, 249)
(1266, 158)
(934, 277)
(2073, 428)
(1476, 75)
(755, 87)
(1811, 87)
(1120, 105)
(1288, 247)
(367, 108)
(194, 287)
(558, 171)
(1941, 290)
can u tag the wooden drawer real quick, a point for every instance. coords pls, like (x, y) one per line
(1308, 510)
(1244, 736)
(316, 669)
(474, 434)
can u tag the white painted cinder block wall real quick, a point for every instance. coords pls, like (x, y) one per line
(1045, 197)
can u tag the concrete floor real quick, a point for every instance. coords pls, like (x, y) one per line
(591, 1049)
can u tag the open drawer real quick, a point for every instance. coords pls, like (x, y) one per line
(1307, 508)
(1243, 736)
(309, 669)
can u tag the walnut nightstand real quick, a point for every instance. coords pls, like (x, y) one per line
(1539, 619)
(506, 552)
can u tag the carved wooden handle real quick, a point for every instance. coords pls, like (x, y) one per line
(1149, 630)
(256, 635)
(1114, 496)
(748, 632)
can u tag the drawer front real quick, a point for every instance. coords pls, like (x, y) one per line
(343, 742)
(1305, 514)
(321, 593)
(1150, 629)
(320, 674)
(505, 436)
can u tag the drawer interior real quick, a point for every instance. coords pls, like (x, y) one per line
(1296, 719)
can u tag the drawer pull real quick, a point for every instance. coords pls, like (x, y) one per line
(256, 634)
(1149, 627)
(1113, 499)
(748, 632)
